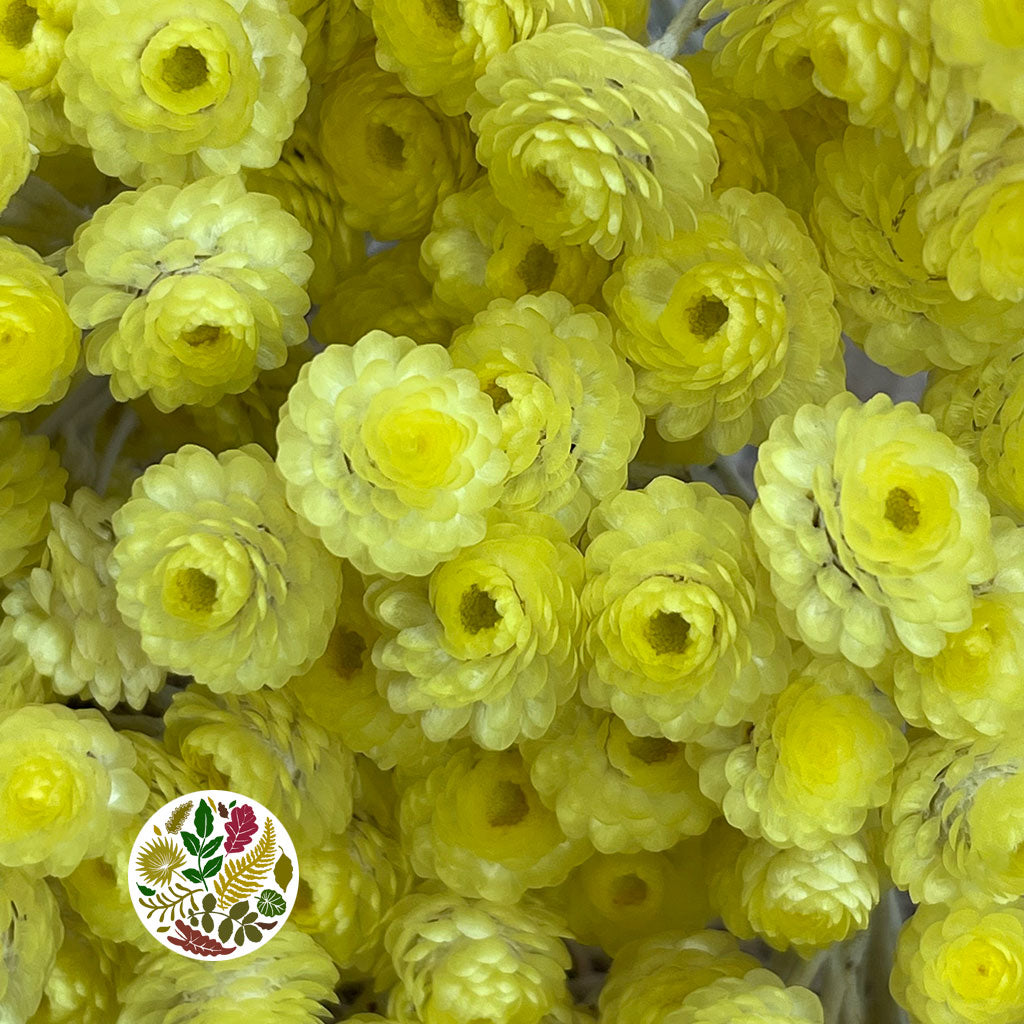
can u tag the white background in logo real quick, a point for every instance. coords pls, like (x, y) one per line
(214, 875)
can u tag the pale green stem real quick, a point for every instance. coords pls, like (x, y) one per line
(679, 29)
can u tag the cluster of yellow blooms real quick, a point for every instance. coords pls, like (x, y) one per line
(418, 549)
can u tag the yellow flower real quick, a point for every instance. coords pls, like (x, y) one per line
(795, 898)
(478, 825)
(625, 793)
(39, 344)
(340, 690)
(985, 37)
(731, 325)
(459, 961)
(564, 398)
(758, 996)
(955, 824)
(190, 291)
(17, 154)
(872, 524)
(881, 60)
(971, 688)
(32, 42)
(478, 251)
(66, 614)
(31, 478)
(612, 899)
(651, 977)
(391, 455)
(441, 47)
(20, 683)
(263, 744)
(629, 16)
(66, 782)
(815, 762)
(213, 571)
(760, 49)
(757, 150)
(487, 644)
(982, 409)
(334, 28)
(970, 209)
(589, 138)
(865, 217)
(680, 636)
(348, 886)
(82, 987)
(31, 932)
(289, 980)
(180, 90)
(958, 964)
(388, 294)
(393, 156)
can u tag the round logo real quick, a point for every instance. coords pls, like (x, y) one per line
(213, 875)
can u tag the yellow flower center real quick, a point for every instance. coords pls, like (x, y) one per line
(445, 13)
(652, 749)
(508, 804)
(478, 610)
(964, 665)
(979, 969)
(186, 66)
(190, 593)
(386, 146)
(537, 268)
(18, 23)
(414, 446)
(203, 335)
(902, 510)
(40, 791)
(707, 316)
(667, 632)
(628, 890)
(185, 69)
(345, 652)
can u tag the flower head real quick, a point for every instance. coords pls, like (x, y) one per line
(31, 933)
(66, 781)
(17, 153)
(39, 344)
(728, 326)
(679, 636)
(487, 643)
(393, 156)
(872, 524)
(179, 90)
(213, 571)
(190, 291)
(564, 398)
(390, 454)
(589, 138)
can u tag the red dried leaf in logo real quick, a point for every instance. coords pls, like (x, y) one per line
(192, 940)
(240, 828)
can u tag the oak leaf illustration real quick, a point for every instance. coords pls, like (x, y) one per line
(240, 829)
(192, 940)
(243, 876)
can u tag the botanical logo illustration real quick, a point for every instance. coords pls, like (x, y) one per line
(213, 875)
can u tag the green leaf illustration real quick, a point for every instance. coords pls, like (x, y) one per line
(145, 891)
(192, 875)
(191, 842)
(232, 804)
(224, 931)
(203, 820)
(211, 867)
(239, 910)
(239, 937)
(271, 903)
(253, 934)
(209, 901)
(164, 928)
(211, 847)
(207, 922)
(283, 871)
(171, 901)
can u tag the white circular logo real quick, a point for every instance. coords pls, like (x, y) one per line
(213, 875)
